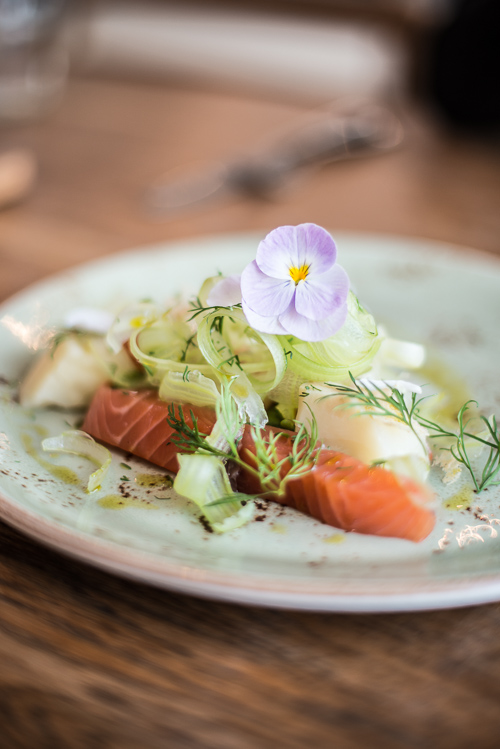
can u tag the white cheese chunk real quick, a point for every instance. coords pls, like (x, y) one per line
(348, 427)
(66, 376)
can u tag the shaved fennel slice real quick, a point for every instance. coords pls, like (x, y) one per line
(286, 394)
(402, 355)
(190, 387)
(219, 349)
(121, 368)
(163, 347)
(202, 476)
(130, 320)
(203, 480)
(82, 444)
(246, 386)
(249, 402)
(350, 351)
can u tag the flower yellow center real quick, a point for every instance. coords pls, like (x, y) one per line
(299, 274)
(137, 322)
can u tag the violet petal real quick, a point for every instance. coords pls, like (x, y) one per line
(312, 330)
(273, 253)
(265, 295)
(226, 293)
(263, 324)
(296, 246)
(319, 296)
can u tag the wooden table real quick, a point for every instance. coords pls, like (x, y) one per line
(89, 660)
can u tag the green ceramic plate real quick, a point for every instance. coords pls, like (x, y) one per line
(446, 297)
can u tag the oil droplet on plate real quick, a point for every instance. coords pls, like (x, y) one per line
(278, 528)
(41, 430)
(118, 502)
(453, 389)
(337, 538)
(153, 479)
(461, 500)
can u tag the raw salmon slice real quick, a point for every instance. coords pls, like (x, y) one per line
(339, 491)
(345, 493)
(136, 421)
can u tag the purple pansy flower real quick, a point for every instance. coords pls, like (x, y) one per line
(294, 285)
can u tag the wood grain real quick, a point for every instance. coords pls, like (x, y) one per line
(89, 660)
(110, 140)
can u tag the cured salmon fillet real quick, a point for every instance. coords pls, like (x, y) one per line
(136, 421)
(340, 491)
(348, 494)
(345, 493)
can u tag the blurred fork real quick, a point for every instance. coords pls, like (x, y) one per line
(369, 129)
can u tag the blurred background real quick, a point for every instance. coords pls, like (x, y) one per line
(124, 124)
(127, 123)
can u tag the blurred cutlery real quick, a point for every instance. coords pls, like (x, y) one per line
(335, 136)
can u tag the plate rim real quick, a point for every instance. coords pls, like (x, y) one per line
(174, 244)
(133, 564)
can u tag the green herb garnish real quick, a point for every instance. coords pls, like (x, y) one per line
(268, 466)
(393, 404)
(189, 342)
(197, 308)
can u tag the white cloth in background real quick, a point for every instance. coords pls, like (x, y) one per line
(314, 59)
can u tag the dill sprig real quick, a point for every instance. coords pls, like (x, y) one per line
(188, 438)
(191, 341)
(272, 471)
(302, 458)
(458, 449)
(379, 402)
(196, 308)
(391, 402)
